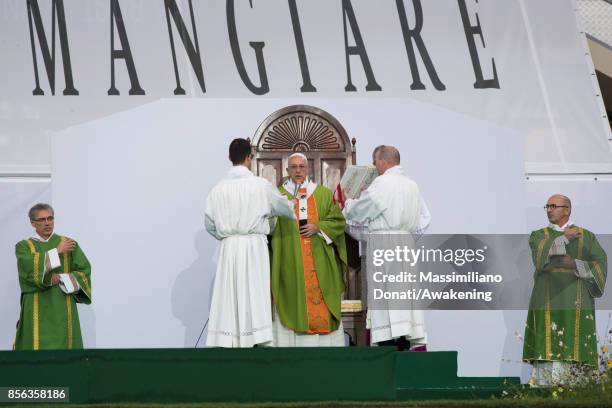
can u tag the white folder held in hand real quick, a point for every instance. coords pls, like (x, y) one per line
(68, 284)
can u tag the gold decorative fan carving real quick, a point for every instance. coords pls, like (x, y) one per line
(301, 131)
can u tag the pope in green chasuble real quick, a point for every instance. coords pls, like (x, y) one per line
(307, 272)
(290, 285)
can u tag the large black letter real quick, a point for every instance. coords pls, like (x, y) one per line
(470, 32)
(257, 46)
(357, 49)
(49, 56)
(299, 43)
(125, 52)
(192, 52)
(415, 34)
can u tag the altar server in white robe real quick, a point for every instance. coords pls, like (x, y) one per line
(392, 204)
(239, 212)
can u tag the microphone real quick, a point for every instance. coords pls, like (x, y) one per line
(295, 191)
(202, 332)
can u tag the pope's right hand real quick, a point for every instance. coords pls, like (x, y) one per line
(67, 245)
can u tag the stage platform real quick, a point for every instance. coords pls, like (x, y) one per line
(246, 375)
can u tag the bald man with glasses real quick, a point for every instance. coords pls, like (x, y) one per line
(570, 272)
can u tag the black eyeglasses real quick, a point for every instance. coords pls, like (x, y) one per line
(297, 166)
(48, 219)
(554, 206)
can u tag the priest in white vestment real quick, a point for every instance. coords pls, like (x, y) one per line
(392, 205)
(239, 212)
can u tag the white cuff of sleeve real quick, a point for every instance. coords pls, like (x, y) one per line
(583, 271)
(54, 261)
(272, 223)
(323, 235)
(358, 232)
(68, 284)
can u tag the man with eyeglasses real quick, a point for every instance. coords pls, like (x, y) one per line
(239, 213)
(54, 275)
(308, 264)
(392, 205)
(570, 272)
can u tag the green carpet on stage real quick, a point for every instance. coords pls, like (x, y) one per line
(189, 375)
(247, 375)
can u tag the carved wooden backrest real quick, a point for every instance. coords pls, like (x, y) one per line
(322, 139)
(310, 131)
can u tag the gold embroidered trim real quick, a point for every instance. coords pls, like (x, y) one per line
(547, 321)
(36, 260)
(69, 307)
(539, 253)
(66, 270)
(580, 243)
(85, 282)
(68, 303)
(599, 274)
(35, 326)
(577, 325)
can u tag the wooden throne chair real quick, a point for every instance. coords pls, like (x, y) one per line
(323, 140)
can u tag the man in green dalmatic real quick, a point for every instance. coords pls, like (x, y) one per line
(54, 275)
(570, 272)
(308, 264)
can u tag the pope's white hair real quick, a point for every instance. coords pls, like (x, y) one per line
(298, 155)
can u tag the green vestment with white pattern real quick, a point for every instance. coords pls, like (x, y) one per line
(561, 319)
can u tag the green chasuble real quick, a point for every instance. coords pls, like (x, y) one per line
(289, 290)
(561, 319)
(49, 318)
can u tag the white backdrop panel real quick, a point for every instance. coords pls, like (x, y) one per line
(136, 201)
